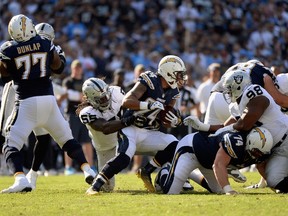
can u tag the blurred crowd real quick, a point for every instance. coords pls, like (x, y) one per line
(110, 34)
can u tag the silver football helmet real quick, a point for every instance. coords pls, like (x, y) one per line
(97, 93)
(259, 141)
(21, 28)
(235, 83)
(45, 30)
(173, 70)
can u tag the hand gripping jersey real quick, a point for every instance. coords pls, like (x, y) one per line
(28, 64)
(154, 92)
(89, 114)
(272, 119)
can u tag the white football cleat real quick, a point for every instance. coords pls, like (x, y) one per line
(89, 175)
(20, 185)
(91, 191)
(32, 178)
(187, 186)
(236, 175)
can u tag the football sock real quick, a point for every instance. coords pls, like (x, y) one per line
(40, 149)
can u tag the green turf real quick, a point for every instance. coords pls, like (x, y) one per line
(65, 195)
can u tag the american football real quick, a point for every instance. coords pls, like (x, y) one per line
(166, 123)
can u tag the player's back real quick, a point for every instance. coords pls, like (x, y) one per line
(28, 64)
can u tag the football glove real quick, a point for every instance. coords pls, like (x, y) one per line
(174, 119)
(194, 122)
(155, 105)
(223, 129)
(61, 53)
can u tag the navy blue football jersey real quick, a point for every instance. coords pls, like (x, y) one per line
(154, 92)
(206, 147)
(28, 64)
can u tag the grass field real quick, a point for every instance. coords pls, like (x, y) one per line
(65, 195)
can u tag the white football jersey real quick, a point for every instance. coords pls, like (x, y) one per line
(89, 114)
(272, 119)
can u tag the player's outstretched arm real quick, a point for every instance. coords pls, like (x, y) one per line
(220, 165)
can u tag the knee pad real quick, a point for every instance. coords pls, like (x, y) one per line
(74, 150)
(71, 146)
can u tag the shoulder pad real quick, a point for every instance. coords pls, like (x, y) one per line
(147, 78)
(7, 44)
(4, 46)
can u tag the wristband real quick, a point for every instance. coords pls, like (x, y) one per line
(227, 188)
(143, 105)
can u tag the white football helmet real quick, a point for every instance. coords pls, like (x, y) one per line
(235, 83)
(21, 28)
(173, 70)
(254, 61)
(97, 93)
(45, 30)
(259, 140)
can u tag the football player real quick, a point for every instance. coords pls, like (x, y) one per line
(218, 111)
(212, 155)
(29, 60)
(42, 136)
(252, 105)
(102, 113)
(147, 98)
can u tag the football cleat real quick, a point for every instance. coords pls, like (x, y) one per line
(32, 178)
(236, 175)
(160, 178)
(187, 186)
(20, 185)
(146, 178)
(91, 191)
(89, 176)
